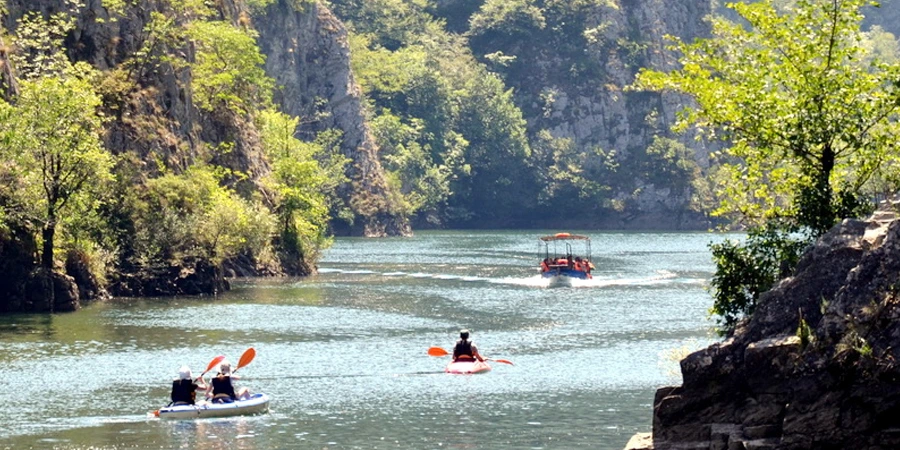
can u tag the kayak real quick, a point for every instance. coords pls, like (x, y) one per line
(467, 367)
(256, 404)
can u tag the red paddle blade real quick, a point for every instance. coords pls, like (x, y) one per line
(248, 356)
(437, 351)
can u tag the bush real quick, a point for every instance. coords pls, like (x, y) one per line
(746, 270)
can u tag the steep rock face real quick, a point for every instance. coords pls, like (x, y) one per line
(570, 79)
(308, 54)
(770, 387)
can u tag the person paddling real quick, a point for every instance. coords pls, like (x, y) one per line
(465, 349)
(184, 389)
(221, 388)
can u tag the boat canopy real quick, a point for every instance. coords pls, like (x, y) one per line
(564, 236)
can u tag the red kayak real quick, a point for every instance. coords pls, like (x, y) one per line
(467, 367)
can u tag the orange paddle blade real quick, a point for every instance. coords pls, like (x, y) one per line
(215, 362)
(503, 361)
(437, 351)
(248, 356)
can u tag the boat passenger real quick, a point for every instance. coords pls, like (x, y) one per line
(578, 265)
(221, 388)
(465, 349)
(544, 265)
(184, 389)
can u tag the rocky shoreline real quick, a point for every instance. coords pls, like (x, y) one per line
(828, 381)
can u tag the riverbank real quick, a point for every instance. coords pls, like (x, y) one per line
(814, 368)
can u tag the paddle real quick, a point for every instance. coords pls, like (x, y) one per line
(437, 351)
(248, 356)
(215, 362)
(502, 361)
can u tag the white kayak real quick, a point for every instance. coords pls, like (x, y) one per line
(256, 404)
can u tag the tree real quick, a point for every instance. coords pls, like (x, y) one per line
(52, 134)
(809, 113)
(304, 176)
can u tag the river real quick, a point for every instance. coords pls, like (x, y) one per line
(343, 353)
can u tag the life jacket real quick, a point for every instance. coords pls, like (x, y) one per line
(184, 391)
(544, 266)
(463, 347)
(222, 386)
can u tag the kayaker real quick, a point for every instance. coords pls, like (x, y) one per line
(465, 349)
(221, 388)
(184, 389)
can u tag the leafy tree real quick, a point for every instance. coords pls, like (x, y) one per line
(52, 135)
(303, 177)
(811, 118)
(808, 112)
(228, 71)
(746, 270)
(192, 216)
(50, 138)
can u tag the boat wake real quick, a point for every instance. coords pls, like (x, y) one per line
(662, 277)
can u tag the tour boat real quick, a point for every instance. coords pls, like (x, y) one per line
(559, 264)
(256, 404)
(467, 367)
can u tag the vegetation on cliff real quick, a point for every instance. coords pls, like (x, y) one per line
(809, 112)
(153, 201)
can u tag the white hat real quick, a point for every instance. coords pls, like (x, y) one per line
(184, 373)
(225, 368)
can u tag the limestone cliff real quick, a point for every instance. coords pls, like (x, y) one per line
(569, 77)
(308, 54)
(778, 385)
(155, 126)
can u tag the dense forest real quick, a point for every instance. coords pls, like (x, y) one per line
(157, 147)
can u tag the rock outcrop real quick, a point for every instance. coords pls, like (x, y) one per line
(777, 384)
(308, 54)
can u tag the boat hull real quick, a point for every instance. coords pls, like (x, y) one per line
(256, 404)
(467, 367)
(563, 278)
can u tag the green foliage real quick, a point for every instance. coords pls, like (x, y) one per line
(39, 43)
(571, 179)
(668, 163)
(50, 145)
(450, 134)
(228, 71)
(744, 270)
(810, 114)
(303, 178)
(509, 17)
(805, 333)
(191, 216)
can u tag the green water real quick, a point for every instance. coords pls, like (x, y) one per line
(343, 353)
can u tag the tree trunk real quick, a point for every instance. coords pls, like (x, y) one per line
(47, 253)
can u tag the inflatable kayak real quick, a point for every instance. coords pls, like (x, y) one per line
(256, 404)
(467, 367)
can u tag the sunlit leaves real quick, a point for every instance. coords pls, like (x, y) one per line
(228, 71)
(800, 99)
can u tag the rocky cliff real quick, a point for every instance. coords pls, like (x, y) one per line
(814, 368)
(155, 126)
(570, 77)
(308, 54)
